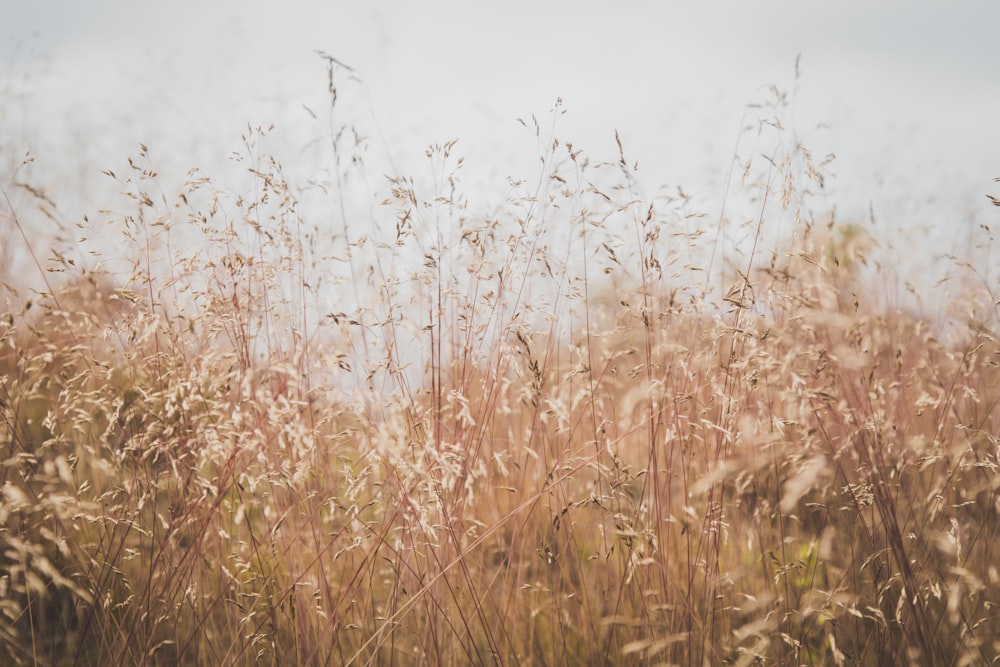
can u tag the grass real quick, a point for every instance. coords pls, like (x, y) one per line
(583, 426)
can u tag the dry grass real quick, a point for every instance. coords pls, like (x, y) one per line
(587, 427)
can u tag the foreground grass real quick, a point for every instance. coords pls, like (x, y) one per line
(578, 430)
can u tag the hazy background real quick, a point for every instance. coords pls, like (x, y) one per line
(907, 94)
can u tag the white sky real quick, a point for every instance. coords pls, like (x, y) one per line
(907, 94)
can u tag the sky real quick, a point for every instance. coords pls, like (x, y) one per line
(906, 94)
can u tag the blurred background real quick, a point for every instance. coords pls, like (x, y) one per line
(905, 94)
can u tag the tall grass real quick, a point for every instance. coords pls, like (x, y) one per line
(582, 426)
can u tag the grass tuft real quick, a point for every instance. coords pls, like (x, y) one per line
(580, 426)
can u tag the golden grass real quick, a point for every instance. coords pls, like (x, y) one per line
(586, 428)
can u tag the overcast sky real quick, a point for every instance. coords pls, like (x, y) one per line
(907, 94)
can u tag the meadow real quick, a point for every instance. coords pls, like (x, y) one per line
(582, 426)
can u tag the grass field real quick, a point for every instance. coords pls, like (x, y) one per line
(584, 426)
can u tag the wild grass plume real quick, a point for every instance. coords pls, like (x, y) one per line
(581, 425)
